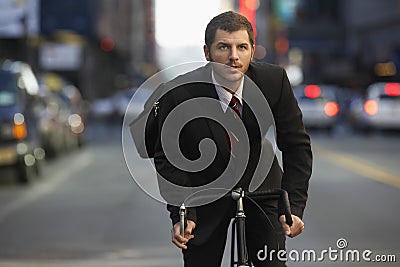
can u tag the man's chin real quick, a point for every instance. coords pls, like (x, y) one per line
(231, 74)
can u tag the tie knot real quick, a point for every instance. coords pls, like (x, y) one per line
(234, 102)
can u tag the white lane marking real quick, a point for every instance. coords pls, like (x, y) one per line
(45, 187)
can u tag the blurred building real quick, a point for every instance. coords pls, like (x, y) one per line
(100, 45)
(106, 45)
(372, 36)
(348, 42)
(19, 21)
(129, 25)
(118, 40)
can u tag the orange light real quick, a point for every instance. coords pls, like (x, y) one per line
(331, 109)
(282, 45)
(392, 89)
(385, 69)
(19, 131)
(371, 107)
(312, 91)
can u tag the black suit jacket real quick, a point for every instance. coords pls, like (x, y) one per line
(292, 140)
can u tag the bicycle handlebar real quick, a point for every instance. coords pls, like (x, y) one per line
(283, 200)
(276, 192)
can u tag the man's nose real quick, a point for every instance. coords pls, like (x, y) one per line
(233, 56)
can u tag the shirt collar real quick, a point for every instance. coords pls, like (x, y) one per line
(225, 96)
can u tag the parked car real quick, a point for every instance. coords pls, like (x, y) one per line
(20, 146)
(77, 119)
(65, 113)
(121, 101)
(379, 108)
(53, 123)
(102, 109)
(319, 105)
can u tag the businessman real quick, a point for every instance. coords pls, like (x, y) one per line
(229, 48)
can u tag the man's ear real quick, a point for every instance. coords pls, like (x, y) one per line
(207, 52)
(253, 51)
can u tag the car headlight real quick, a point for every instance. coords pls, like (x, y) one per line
(76, 123)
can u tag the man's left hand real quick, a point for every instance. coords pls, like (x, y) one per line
(296, 228)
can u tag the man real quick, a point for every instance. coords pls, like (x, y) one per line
(229, 40)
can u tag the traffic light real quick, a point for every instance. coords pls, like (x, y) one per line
(107, 44)
(282, 45)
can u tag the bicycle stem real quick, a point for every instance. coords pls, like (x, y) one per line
(240, 218)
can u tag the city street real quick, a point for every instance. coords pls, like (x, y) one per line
(72, 71)
(86, 210)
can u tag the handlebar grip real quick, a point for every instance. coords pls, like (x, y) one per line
(265, 193)
(283, 201)
(286, 207)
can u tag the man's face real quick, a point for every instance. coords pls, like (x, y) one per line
(232, 49)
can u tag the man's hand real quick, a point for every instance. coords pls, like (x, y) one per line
(177, 239)
(296, 228)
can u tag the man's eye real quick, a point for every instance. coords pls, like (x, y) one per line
(223, 47)
(243, 47)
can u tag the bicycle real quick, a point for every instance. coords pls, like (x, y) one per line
(238, 224)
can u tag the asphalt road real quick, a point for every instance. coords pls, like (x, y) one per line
(86, 210)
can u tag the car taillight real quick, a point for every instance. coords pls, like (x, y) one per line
(331, 109)
(19, 127)
(392, 89)
(312, 91)
(371, 107)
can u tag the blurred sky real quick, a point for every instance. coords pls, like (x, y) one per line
(180, 26)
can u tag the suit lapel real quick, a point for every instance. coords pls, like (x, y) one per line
(248, 114)
(217, 131)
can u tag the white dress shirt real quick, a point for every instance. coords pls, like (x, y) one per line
(225, 96)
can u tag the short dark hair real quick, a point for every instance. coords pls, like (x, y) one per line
(228, 21)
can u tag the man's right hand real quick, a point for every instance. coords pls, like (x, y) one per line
(177, 239)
